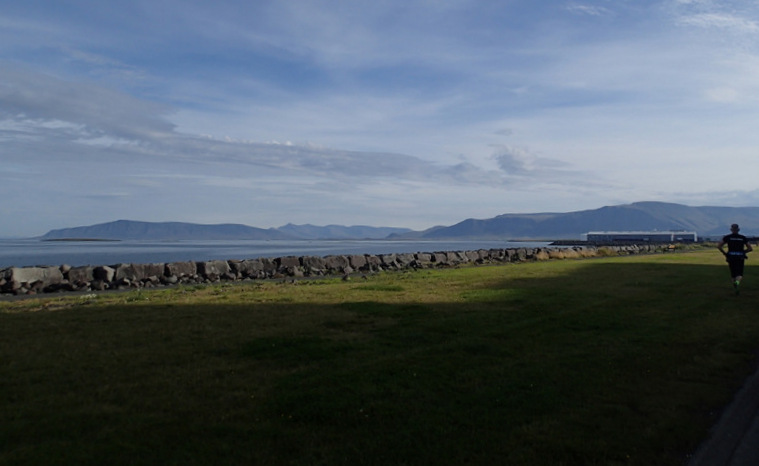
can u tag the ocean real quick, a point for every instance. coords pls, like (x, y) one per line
(32, 252)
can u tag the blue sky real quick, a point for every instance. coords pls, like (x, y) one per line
(408, 113)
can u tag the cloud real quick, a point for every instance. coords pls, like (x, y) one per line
(84, 108)
(734, 24)
(521, 163)
(726, 22)
(71, 120)
(512, 160)
(592, 10)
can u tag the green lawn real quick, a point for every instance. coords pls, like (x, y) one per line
(619, 360)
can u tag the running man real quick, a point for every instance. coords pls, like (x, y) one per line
(737, 248)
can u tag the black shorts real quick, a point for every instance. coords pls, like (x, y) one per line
(736, 265)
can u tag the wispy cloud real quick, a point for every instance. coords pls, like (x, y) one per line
(720, 21)
(82, 107)
(592, 10)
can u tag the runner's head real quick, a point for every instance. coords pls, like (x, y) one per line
(734, 228)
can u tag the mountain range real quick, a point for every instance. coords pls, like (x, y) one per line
(134, 230)
(639, 216)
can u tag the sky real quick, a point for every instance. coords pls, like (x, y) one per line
(403, 113)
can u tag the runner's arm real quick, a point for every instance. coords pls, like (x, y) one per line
(721, 245)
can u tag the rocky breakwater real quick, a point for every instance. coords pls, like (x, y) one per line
(48, 279)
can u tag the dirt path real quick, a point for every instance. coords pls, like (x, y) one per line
(734, 440)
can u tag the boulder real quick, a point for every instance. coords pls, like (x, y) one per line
(336, 263)
(83, 274)
(99, 285)
(103, 273)
(248, 268)
(313, 265)
(137, 272)
(270, 267)
(358, 261)
(423, 257)
(440, 258)
(373, 262)
(404, 259)
(24, 277)
(289, 265)
(388, 261)
(213, 270)
(170, 280)
(180, 269)
(520, 254)
(498, 254)
(452, 257)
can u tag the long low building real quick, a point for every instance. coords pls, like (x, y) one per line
(642, 236)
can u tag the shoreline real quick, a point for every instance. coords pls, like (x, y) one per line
(74, 240)
(64, 278)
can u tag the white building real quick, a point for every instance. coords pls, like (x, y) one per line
(643, 236)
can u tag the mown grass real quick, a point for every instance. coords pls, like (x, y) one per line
(620, 360)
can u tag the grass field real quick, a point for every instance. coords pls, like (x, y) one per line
(618, 360)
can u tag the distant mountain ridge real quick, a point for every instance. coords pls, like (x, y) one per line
(135, 230)
(640, 216)
(340, 232)
(707, 221)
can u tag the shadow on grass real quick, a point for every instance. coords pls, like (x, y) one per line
(606, 363)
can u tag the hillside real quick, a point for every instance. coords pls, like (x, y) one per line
(340, 232)
(132, 230)
(706, 221)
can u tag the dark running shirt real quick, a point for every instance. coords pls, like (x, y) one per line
(735, 244)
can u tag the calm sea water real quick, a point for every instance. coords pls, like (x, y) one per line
(30, 252)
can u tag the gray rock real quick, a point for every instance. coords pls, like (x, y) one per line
(98, 285)
(253, 268)
(452, 257)
(373, 262)
(170, 280)
(404, 259)
(424, 257)
(137, 272)
(440, 258)
(388, 260)
(336, 264)
(288, 261)
(180, 269)
(358, 261)
(270, 267)
(103, 273)
(213, 270)
(313, 265)
(83, 274)
(18, 277)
